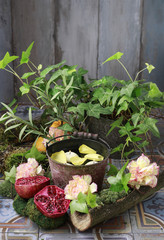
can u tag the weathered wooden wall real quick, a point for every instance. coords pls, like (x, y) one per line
(85, 32)
(6, 79)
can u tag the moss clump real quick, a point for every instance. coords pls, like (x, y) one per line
(15, 157)
(28, 208)
(7, 189)
(19, 205)
(107, 196)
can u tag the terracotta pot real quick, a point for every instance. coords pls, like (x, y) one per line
(62, 173)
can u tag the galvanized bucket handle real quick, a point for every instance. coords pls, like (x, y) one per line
(81, 135)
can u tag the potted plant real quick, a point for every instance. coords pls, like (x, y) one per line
(53, 90)
(127, 108)
(63, 94)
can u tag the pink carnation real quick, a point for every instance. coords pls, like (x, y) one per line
(29, 169)
(79, 184)
(142, 172)
(55, 132)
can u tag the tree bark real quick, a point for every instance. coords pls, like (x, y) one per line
(102, 213)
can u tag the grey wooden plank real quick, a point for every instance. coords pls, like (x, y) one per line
(153, 40)
(77, 33)
(6, 79)
(119, 30)
(33, 20)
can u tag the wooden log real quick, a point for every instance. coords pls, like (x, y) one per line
(103, 213)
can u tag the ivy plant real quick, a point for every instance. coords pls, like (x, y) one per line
(129, 103)
(118, 179)
(82, 202)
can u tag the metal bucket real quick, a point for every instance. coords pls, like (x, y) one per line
(62, 173)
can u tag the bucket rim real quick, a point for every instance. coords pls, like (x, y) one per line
(97, 139)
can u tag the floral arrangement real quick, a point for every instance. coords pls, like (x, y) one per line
(80, 192)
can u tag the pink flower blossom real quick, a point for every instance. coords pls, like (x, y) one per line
(29, 169)
(55, 132)
(142, 172)
(79, 184)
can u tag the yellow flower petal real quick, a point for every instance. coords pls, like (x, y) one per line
(76, 160)
(59, 157)
(94, 157)
(86, 150)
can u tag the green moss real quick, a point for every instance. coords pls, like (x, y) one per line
(106, 196)
(15, 157)
(3, 147)
(7, 189)
(28, 208)
(19, 204)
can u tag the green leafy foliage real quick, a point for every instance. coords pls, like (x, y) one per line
(149, 67)
(116, 56)
(62, 92)
(26, 54)
(10, 176)
(6, 60)
(120, 180)
(34, 153)
(82, 202)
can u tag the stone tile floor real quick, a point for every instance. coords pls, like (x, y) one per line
(142, 222)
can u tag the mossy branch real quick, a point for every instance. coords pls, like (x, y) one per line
(103, 213)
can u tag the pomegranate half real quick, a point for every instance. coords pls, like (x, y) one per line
(51, 201)
(29, 186)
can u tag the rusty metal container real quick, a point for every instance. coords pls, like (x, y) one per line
(62, 173)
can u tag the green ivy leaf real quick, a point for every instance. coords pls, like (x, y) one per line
(10, 176)
(91, 199)
(117, 188)
(143, 144)
(116, 56)
(50, 68)
(118, 148)
(81, 71)
(125, 180)
(77, 206)
(154, 91)
(119, 182)
(27, 75)
(125, 98)
(126, 154)
(149, 67)
(34, 153)
(123, 107)
(135, 119)
(113, 170)
(102, 95)
(120, 173)
(115, 97)
(81, 197)
(26, 54)
(66, 127)
(6, 60)
(151, 124)
(115, 124)
(113, 180)
(25, 88)
(128, 90)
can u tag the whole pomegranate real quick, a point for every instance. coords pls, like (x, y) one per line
(51, 201)
(27, 187)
